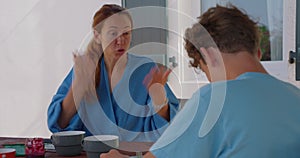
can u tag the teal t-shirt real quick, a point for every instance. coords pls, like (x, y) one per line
(255, 115)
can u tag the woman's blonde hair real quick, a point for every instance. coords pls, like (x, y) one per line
(95, 49)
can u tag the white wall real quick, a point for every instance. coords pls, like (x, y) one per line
(36, 42)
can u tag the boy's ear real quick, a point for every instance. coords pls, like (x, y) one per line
(211, 55)
(207, 56)
(215, 64)
(204, 54)
(259, 54)
(97, 36)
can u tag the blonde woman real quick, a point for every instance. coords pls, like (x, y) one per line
(133, 100)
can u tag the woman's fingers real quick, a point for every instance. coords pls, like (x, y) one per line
(158, 74)
(167, 73)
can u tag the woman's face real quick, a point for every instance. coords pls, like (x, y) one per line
(115, 36)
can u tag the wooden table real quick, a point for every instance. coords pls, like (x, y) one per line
(128, 148)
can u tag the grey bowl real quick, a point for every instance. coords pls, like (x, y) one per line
(68, 143)
(67, 138)
(95, 145)
(68, 150)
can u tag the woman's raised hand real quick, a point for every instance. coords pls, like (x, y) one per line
(158, 74)
(84, 74)
(155, 81)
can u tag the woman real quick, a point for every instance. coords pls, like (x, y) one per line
(113, 92)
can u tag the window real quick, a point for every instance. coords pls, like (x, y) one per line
(268, 14)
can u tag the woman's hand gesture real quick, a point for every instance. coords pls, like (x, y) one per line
(155, 81)
(84, 75)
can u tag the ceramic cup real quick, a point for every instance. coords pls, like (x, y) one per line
(68, 143)
(95, 145)
(7, 152)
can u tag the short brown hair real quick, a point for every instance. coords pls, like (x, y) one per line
(230, 29)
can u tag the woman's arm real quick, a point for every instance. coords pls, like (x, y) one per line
(159, 100)
(55, 107)
(155, 82)
(82, 84)
(68, 110)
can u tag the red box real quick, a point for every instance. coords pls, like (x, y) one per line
(34, 147)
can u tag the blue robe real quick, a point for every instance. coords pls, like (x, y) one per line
(127, 111)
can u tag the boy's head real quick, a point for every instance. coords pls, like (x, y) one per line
(231, 30)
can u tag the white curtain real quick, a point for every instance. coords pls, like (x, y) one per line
(275, 20)
(36, 42)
